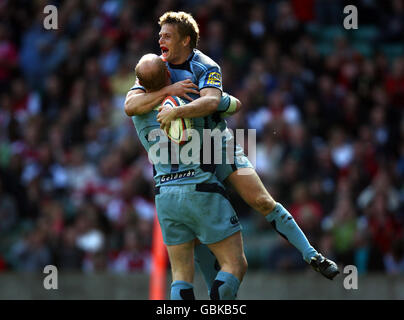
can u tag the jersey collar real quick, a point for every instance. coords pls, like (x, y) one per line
(184, 65)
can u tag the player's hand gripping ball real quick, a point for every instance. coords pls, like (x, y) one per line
(177, 131)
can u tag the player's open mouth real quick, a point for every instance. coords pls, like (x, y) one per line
(164, 51)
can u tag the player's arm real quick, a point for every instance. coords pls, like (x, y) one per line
(232, 111)
(201, 107)
(231, 105)
(227, 106)
(139, 102)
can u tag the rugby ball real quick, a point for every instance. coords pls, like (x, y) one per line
(178, 130)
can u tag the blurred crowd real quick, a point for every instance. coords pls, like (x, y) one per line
(76, 186)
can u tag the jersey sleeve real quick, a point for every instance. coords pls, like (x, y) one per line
(137, 86)
(211, 78)
(231, 103)
(224, 103)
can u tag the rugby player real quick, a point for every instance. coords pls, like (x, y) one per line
(178, 40)
(191, 204)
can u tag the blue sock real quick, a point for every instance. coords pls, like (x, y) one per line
(207, 263)
(287, 227)
(224, 287)
(182, 290)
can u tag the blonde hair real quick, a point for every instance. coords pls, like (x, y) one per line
(187, 25)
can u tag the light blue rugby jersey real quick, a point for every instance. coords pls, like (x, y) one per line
(170, 172)
(205, 73)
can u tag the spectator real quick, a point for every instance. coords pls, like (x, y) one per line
(394, 261)
(132, 258)
(342, 225)
(8, 57)
(31, 254)
(8, 210)
(68, 257)
(383, 225)
(367, 256)
(41, 53)
(381, 185)
(283, 257)
(306, 211)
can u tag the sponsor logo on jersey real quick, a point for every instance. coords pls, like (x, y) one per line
(214, 78)
(178, 175)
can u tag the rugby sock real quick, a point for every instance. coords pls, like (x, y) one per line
(224, 287)
(287, 227)
(207, 263)
(182, 290)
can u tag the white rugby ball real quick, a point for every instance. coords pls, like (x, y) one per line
(178, 130)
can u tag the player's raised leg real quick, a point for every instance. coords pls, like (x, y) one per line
(182, 267)
(230, 255)
(250, 187)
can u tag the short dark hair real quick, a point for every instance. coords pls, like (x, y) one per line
(186, 24)
(156, 78)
